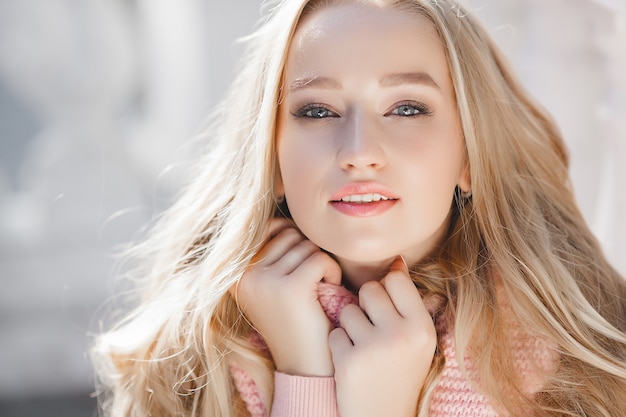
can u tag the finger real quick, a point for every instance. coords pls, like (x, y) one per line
(403, 293)
(339, 344)
(433, 302)
(356, 324)
(274, 250)
(376, 303)
(399, 264)
(319, 266)
(295, 256)
(275, 225)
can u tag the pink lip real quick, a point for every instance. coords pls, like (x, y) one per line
(362, 188)
(373, 208)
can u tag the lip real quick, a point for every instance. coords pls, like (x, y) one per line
(362, 188)
(357, 209)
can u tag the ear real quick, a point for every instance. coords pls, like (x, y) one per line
(465, 178)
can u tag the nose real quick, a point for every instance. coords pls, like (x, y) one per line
(360, 145)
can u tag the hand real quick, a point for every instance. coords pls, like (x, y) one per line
(278, 294)
(383, 350)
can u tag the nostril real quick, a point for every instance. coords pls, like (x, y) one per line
(361, 159)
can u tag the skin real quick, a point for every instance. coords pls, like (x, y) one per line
(365, 139)
(347, 120)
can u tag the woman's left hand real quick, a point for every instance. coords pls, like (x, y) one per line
(383, 350)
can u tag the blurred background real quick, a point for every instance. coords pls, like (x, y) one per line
(97, 102)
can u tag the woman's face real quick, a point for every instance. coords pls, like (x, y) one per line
(370, 145)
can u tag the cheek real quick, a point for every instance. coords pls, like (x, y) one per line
(435, 169)
(298, 183)
(296, 163)
(303, 153)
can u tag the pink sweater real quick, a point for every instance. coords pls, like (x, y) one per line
(453, 395)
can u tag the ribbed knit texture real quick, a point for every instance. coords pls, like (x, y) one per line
(302, 396)
(453, 395)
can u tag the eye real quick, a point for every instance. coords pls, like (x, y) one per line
(409, 109)
(314, 111)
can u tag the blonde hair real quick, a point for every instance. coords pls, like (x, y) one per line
(521, 228)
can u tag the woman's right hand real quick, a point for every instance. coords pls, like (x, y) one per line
(278, 294)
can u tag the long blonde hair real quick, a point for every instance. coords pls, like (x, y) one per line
(521, 227)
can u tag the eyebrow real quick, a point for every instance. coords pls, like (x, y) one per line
(317, 82)
(388, 80)
(392, 80)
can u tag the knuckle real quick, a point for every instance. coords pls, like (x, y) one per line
(288, 233)
(290, 230)
(424, 339)
(369, 286)
(274, 227)
(410, 338)
(309, 246)
(335, 337)
(318, 255)
(278, 223)
(369, 289)
(349, 311)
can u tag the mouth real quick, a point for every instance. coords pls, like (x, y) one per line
(363, 193)
(363, 198)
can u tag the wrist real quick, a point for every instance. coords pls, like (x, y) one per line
(307, 365)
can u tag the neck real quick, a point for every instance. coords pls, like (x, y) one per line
(356, 274)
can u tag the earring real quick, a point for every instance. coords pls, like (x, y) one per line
(282, 210)
(461, 197)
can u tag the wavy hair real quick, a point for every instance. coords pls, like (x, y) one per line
(521, 232)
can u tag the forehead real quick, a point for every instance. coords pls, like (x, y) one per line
(355, 37)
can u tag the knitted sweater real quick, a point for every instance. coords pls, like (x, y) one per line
(453, 395)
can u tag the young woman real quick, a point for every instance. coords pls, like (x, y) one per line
(361, 137)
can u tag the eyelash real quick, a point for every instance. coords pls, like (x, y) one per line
(306, 111)
(302, 112)
(420, 108)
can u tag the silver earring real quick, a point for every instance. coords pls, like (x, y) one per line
(466, 194)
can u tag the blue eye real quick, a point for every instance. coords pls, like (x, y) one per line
(409, 110)
(314, 111)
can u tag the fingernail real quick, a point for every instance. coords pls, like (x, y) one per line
(400, 264)
(405, 267)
